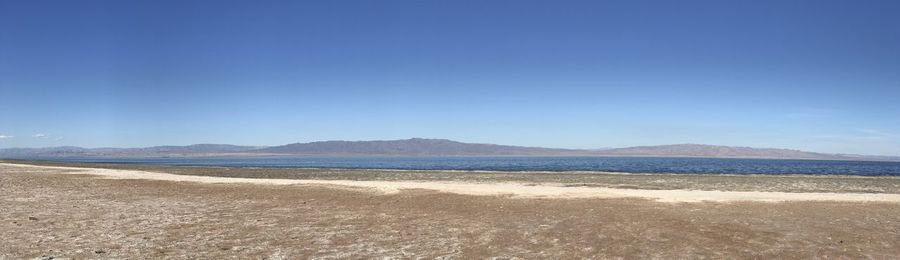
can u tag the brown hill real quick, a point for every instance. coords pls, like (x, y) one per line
(700, 150)
(412, 147)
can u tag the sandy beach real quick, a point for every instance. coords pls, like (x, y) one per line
(130, 211)
(515, 190)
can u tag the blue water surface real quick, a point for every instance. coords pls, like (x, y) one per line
(558, 164)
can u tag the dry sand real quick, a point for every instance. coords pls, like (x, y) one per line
(120, 214)
(492, 189)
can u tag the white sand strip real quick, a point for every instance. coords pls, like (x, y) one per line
(493, 189)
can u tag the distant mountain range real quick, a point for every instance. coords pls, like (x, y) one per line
(427, 147)
(412, 147)
(156, 151)
(699, 150)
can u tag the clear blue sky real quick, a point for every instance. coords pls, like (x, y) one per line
(816, 75)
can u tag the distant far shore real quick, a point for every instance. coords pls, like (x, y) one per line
(431, 147)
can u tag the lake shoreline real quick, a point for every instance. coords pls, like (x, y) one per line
(647, 182)
(75, 213)
(374, 164)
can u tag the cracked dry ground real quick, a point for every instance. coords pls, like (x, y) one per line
(80, 216)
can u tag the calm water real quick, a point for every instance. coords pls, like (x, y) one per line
(614, 164)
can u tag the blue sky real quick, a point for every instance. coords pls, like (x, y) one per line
(815, 75)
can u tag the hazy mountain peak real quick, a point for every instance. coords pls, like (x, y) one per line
(703, 150)
(409, 147)
(431, 147)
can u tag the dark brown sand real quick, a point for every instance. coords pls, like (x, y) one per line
(81, 216)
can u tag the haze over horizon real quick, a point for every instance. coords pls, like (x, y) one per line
(818, 76)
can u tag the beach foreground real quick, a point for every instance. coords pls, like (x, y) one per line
(115, 213)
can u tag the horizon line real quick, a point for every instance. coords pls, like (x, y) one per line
(451, 140)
